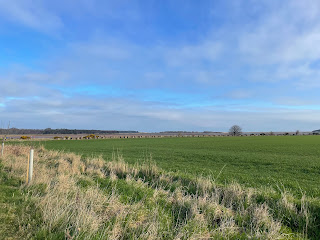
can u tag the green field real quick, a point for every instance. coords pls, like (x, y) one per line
(87, 197)
(285, 162)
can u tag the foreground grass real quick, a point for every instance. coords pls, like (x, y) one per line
(10, 201)
(18, 217)
(88, 198)
(285, 162)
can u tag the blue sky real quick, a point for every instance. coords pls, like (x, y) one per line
(160, 65)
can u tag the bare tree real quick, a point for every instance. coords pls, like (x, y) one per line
(235, 130)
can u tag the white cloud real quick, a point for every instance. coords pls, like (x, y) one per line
(240, 94)
(103, 50)
(33, 14)
(289, 33)
(116, 113)
(187, 55)
(296, 101)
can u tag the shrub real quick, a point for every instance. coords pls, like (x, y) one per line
(24, 137)
(92, 136)
(56, 137)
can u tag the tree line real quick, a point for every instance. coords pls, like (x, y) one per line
(59, 131)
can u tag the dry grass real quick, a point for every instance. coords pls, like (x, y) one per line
(170, 207)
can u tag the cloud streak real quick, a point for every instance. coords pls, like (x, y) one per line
(32, 14)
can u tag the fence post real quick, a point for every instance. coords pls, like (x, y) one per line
(2, 148)
(30, 172)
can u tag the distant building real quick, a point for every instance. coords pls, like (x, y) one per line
(316, 132)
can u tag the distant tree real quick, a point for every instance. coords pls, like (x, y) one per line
(235, 130)
(297, 132)
(271, 133)
(47, 131)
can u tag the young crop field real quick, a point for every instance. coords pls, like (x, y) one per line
(289, 163)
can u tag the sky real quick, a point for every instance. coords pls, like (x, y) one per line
(164, 65)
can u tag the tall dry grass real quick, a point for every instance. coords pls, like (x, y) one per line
(90, 198)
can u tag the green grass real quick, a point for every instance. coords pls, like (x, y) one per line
(10, 202)
(137, 200)
(19, 219)
(290, 162)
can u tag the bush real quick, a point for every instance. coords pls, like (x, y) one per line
(92, 136)
(56, 137)
(24, 137)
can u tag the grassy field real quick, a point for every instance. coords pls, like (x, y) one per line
(77, 197)
(290, 162)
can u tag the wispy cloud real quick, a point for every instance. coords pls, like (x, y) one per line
(191, 55)
(33, 14)
(125, 65)
(283, 44)
(117, 113)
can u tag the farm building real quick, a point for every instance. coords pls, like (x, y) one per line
(316, 132)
